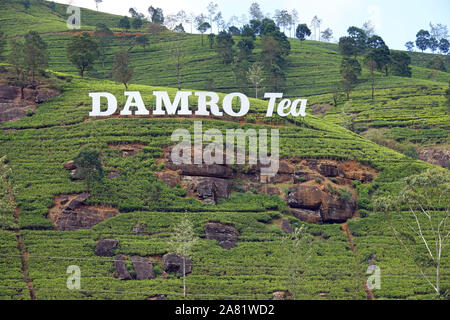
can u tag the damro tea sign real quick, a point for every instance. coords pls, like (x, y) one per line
(180, 104)
(208, 105)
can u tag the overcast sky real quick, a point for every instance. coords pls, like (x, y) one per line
(396, 21)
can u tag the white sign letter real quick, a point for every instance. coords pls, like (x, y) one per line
(96, 111)
(134, 100)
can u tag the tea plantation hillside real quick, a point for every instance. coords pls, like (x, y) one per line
(36, 148)
(405, 112)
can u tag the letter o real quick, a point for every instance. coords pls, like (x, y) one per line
(228, 104)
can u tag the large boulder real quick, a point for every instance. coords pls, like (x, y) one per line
(207, 192)
(143, 268)
(281, 295)
(83, 218)
(78, 201)
(227, 236)
(221, 187)
(70, 165)
(285, 167)
(205, 170)
(336, 210)
(435, 155)
(305, 197)
(329, 170)
(286, 226)
(105, 247)
(121, 268)
(8, 93)
(309, 216)
(171, 178)
(173, 263)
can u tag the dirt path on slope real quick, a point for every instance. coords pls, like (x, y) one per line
(346, 229)
(21, 246)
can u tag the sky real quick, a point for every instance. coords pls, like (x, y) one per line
(396, 21)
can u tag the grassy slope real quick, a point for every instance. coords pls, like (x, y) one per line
(57, 131)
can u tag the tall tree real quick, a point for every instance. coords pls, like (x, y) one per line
(203, 28)
(315, 24)
(136, 23)
(360, 39)
(156, 15)
(410, 46)
(399, 64)
(444, 45)
(327, 35)
(181, 242)
(371, 63)
(82, 51)
(302, 32)
(103, 35)
(212, 39)
(36, 56)
(224, 47)
(422, 40)
(124, 23)
(295, 19)
(246, 47)
(212, 9)
(350, 70)
(438, 31)
(380, 52)
(16, 59)
(89, 166)
(255, 76)
(177, 52)
(422, 230)
(369, 28)
(256, 12)
(122, 72)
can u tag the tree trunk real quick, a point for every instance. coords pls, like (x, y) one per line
(184, 276)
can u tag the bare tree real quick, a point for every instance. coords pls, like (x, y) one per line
(295, 19)
(255, 76)
(315, 24)
(212, 9)
(97, 2)
(177, 52)
(369, 28)
(426, 197)
(181, 242)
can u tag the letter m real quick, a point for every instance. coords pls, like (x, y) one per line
(182, 97)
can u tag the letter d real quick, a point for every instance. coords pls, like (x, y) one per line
(96, 111)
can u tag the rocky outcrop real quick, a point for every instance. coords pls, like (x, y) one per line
(13, 107)
(309, 216)
(105, 247)
(305, 197)
(71, 212)
(205, 170)
(173, 263)
(157, 297)
(310, 204)
(171, 178)
(121, 268)
(329, 170)
(226, 235)
(436, 156)
(208, 189)
(143, 268)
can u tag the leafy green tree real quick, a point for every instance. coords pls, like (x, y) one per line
(433, 44)
(181, 242)
(103, 35)
(302, 32)
(248, 32)
(36, 56)
(89, 166)
(437, 64)
(255, 76)
(380, 53)
(82, 51)
(122, 72)
(350, 70)
(360, 38)
(371, 63)
(124, 23)
(347, 47)
(246, 47)
(136, 23)
(256, 26)
(202, 28)
(422, 40)
(422, 229)
(234, 31)
(156, 15)
(211, 39)
(410, 46)
(444, 46)
(16, 59)
(399, 64)
(143, 41)
(26, 4)
(224, 47)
